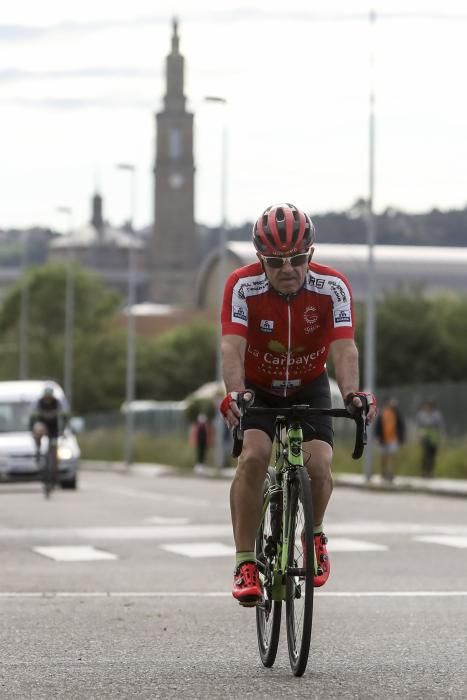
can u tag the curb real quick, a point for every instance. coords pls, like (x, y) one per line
(435, 487)
(402, 484)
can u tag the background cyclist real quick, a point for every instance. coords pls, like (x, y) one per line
(281, 316)
(48, 418)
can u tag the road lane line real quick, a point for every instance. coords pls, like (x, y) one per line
(125, 532)
(195, 550)
(446, 540)
(224, 594)
(343, 544)
(75, 553)
(164, 497)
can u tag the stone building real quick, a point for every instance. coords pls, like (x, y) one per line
(173, 247)
(105, 249)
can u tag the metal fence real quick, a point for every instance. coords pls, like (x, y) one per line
(160, 418)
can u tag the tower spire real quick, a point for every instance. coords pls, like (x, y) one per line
(175, 37)
(174, 99)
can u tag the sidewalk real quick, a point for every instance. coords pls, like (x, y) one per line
(405, 484)
(402, 484)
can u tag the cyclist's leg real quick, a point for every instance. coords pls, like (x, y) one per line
(246, 492)
(317, 456)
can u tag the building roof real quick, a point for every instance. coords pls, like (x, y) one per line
(328, 253)
(432, 268)
(90, 235)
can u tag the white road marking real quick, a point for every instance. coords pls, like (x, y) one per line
(377, 527)
(136, 532)
(159, 520)
(224, 594)
(196, 550)
(164, 497)
(448, 540)
(74, 553)
(342, 544)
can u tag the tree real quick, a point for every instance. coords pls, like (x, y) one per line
(419, 338)
(177, 362)
(98, 345)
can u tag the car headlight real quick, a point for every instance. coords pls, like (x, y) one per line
(64, 452)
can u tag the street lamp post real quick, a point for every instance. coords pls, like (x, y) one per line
(69, 314)
(370, 319)
(221, 271)
(131, 346)
(23, 369)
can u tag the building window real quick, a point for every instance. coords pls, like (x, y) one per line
(175, 144)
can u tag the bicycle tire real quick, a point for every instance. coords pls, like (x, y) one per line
(299, 587)
(47, 475)
(268, 613)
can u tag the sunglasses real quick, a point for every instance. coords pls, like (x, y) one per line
(278, 261)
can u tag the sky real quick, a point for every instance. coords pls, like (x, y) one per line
(80, 84)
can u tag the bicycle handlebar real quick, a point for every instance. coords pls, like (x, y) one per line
(301, 411)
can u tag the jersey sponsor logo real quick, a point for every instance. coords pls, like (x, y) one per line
(283, 384)
(338, 290)
(342, 318)
(239, 313)
(293, 361)
(317, 282)
(311, 314)
(266, 326)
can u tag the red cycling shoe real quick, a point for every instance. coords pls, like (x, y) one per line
(322, 559)
(247, 588)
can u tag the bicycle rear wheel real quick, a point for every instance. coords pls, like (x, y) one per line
(268, 612)
(300, 570)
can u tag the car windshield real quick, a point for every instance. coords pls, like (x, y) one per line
(14, 416)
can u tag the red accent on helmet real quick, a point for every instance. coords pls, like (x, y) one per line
(281, 229)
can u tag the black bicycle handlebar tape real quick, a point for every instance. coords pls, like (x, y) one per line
(237, 433)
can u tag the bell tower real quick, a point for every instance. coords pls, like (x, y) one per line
(173, 249)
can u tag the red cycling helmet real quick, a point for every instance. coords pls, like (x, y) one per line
(281, 229)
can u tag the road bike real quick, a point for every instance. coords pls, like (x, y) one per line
(48, 468)
(284, 547)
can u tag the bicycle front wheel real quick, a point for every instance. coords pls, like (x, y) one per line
(300, 570)
(47, 476)
(268, 612)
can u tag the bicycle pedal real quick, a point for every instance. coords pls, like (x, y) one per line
(249, 604)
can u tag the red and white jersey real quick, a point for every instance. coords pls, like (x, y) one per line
(287, 340)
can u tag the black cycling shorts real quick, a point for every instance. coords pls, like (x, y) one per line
(317, 393)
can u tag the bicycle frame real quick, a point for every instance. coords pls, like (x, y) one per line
(289, 457)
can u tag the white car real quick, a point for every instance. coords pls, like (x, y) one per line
(17, 447)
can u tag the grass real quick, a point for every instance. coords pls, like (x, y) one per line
(108, 445)
(451, 462)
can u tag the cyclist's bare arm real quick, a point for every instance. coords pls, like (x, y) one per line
(233, 366)
(344, 355)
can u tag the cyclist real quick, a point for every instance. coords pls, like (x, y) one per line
(48, 417)
(281, 316)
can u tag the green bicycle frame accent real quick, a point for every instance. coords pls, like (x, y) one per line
(283, 464)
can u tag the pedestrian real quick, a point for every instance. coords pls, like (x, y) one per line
(390, 434)
(430, 424)
(200, 438)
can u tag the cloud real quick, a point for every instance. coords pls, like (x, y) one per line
(16, 75)
(76, 103)
(18, 33)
